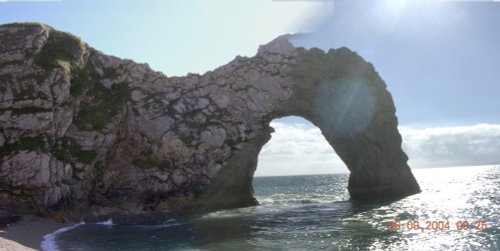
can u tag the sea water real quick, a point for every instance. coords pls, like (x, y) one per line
(458, 209)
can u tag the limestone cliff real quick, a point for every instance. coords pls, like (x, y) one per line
(88, 135)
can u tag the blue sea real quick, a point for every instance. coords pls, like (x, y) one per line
(458, 209)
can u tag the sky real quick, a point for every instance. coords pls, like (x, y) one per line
(438, 58)
(172, 36)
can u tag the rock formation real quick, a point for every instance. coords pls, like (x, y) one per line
(88, 135)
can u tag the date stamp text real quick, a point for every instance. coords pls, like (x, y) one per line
(438, 225)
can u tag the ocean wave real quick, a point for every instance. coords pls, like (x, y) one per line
(49, 240)
(284, 199)
(269, 201)
(170, 223)
(166, 224)
(108, 222)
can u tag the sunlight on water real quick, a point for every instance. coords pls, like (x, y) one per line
(314, 213)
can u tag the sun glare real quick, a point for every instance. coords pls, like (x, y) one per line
(391, 12)
(395, 6)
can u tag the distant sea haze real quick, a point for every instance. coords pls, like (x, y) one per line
(457, 210)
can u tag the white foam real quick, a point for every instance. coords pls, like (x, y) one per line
(266, 201)
(171, 223)
(108, 222)
(49, 240)
(165, 224)
(292, 199)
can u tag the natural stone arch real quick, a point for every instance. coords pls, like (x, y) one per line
(89, 135)
(345, 98)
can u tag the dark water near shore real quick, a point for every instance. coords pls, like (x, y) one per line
(314, 213)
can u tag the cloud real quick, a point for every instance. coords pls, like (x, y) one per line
(296, 149)
(452, 146)
(299, 148)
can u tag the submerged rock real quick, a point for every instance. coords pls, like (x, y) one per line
(86, 135)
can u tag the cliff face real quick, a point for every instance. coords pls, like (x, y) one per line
(88, 135)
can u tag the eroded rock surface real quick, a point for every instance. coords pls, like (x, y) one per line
(88, 135)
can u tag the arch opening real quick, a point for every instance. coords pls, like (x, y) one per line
(298, 166)
(297, 147)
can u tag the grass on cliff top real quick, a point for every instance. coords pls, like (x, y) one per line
(59, 50)
(24, 24)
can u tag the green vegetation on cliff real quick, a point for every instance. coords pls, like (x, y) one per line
(35, 143)
(144, 163)
(5, 78)
(59, 50)
(106, 103)
(24, 110)
(24, 24)
(68, 150)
